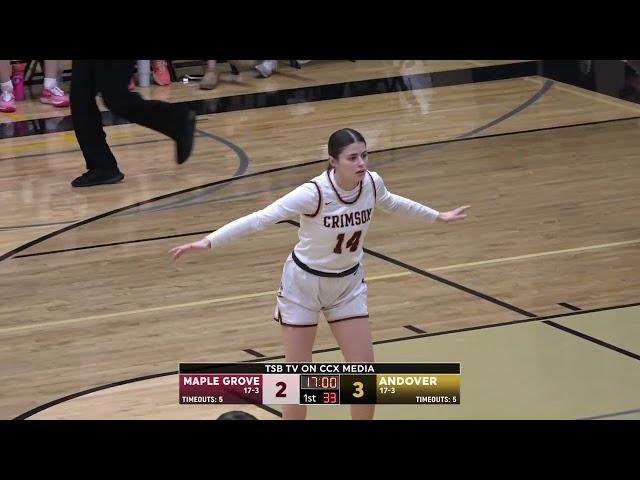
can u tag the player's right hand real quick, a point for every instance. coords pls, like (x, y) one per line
(177, 252)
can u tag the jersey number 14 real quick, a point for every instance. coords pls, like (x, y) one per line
(352, 243)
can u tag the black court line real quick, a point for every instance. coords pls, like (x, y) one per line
(569, 306)
(253, 352)
(143, 202)
(384, 150)
(491, 299)
(52, 403)
(465, 136)
(113, 244)
(243, 164)
(470, 329)
(75, 150)
(9, 254)
(426, 144)
(269, 409)
(504, 304)
(595, 340)
(480, 295)
(307, 94)
(242, 168)
(414, 329)
(501, 303)
(179, 204)
(440, 279)
(66, 398)
(515, 132)
(58, 401)
(33, 225)
(505, 324)
(450, 283)
(608, 415)
(435, 277)
(391, 149)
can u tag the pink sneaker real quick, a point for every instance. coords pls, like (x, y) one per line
(7, 102)
(160, 72)
(55, 97)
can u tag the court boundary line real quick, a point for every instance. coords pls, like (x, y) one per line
(524, 104)
(234, 103)
(384, 150)
(115, 244)
(503, 304)
(407, 266)
(414, 329)
(52, 403)
(614, 414)
(390, 149)
(569, 306)
(593, 339)
(253, 352)
(440, 279)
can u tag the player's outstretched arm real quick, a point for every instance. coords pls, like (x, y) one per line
(302, 200)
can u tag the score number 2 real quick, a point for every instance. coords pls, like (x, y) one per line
(281, 392)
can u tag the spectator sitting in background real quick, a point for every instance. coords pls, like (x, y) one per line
(210, 79)
(13, 88)
(159, 72)
(267, 67)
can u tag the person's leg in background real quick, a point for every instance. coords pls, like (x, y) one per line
(210, 79)
(172, 120)
(267, 67)
(52, 94)
(7, 99)
(102, 167)
(160, 72)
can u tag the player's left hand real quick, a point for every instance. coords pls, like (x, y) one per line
(453, 215)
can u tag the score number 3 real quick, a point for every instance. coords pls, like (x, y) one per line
(359, 393)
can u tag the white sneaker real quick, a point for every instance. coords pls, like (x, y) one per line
(267, 67)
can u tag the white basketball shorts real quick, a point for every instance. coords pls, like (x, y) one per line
(303, 295)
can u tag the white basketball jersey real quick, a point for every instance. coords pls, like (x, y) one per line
(332, 239)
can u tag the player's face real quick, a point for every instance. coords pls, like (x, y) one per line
(352, 163)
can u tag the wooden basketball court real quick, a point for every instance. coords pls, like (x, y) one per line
(536, 293)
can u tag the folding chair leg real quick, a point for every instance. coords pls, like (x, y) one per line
(172, 71)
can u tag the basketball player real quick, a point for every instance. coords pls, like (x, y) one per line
(323, 273)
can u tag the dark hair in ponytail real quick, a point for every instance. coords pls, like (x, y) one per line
(341, 139)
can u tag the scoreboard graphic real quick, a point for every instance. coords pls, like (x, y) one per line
(319, 383)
